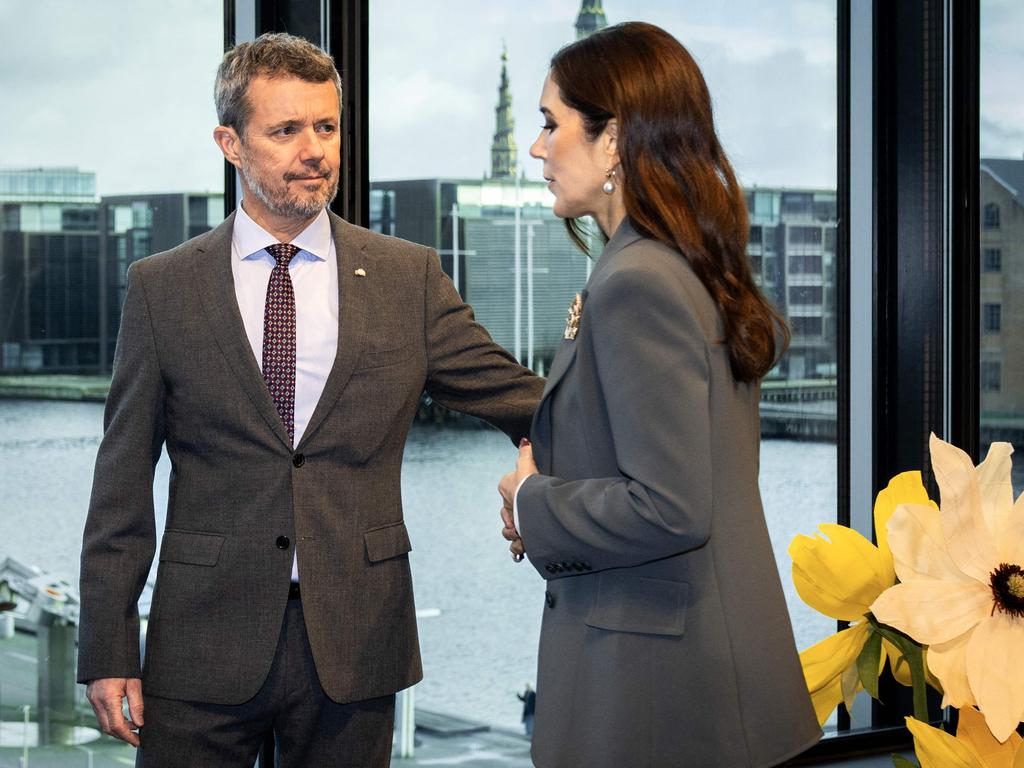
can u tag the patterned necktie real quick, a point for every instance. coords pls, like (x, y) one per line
(279, 336)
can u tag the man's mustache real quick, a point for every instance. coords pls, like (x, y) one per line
(319, 173)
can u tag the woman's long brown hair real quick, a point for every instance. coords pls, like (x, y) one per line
(677, 183)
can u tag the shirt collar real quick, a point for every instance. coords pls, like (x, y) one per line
(250, 239)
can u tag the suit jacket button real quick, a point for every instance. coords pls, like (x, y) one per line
(586, 565)
(283, 542)
(566, 566)
(549, 599)
(551, 568)
(298, 459)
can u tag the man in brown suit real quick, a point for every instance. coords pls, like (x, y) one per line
(280, 359)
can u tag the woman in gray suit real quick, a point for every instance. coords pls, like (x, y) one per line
(665, 640)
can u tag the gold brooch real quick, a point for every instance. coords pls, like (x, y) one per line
(360, 272)
(572, 323)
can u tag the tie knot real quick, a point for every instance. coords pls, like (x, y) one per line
(282, 252)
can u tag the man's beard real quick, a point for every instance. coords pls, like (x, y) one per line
(290, 205)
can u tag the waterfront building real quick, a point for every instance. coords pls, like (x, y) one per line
(1001, 196)
(50, 268)
(792, 249)
(135, 226)
(64, 256)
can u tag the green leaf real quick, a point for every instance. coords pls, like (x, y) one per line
(899, 663)
(867, 663)
(898, 761)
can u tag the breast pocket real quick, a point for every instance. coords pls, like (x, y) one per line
(382, 358)
(627, 603)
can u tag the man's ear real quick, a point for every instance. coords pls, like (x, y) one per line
(229, 142)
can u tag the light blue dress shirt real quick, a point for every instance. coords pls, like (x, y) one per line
(314, 274)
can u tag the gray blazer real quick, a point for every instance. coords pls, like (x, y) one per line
(665, 639)
(241, 499)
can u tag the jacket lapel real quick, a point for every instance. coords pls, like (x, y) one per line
(562, 362)
(541, 429)
(212, 267)
(352, 312)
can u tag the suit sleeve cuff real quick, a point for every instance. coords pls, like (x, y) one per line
(515, 507)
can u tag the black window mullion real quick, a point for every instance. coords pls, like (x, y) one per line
(910, 255)
(965, 267)
(230, 193)
(348, 41)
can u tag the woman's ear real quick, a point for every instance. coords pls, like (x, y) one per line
(610, 139)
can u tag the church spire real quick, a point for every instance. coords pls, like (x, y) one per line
(590, 19)
(503, 149)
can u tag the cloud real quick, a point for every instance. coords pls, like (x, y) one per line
(1002, 61)
(120, 88)
(124, 87)
(1000, 140)
(772, 77)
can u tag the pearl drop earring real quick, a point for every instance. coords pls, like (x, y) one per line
(609, 181)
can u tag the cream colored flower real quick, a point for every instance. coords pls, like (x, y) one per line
(962, 590)
(839, 573)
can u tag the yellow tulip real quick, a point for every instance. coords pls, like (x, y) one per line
(840, 573)
(973, 747)
(824, 664)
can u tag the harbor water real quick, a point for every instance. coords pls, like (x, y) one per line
(479, 634)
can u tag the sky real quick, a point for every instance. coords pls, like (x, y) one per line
(124, 87)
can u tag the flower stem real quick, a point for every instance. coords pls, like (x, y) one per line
(913, 655)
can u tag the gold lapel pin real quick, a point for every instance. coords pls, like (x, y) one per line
(360, 272)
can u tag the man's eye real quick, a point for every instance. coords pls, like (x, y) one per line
(327, 128)
(288, 130)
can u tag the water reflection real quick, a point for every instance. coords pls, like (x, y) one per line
(481, 649)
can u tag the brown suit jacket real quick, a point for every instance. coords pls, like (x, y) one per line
(241, 498)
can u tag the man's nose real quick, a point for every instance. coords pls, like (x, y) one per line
(312, 147)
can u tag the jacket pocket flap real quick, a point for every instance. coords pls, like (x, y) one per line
(379, 358)
(637, 604)
(386, 542)
(192, 547)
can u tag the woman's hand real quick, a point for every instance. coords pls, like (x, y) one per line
(525, 466)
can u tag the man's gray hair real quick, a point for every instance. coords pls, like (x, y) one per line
(274, 54)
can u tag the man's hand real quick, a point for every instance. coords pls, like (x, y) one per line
(525, 466)
(106, 695)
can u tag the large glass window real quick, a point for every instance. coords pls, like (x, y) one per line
(1001, 203)
(450, 129)
(107, 157)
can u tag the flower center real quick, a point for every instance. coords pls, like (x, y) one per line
(1016, 585)
(1007, 583)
